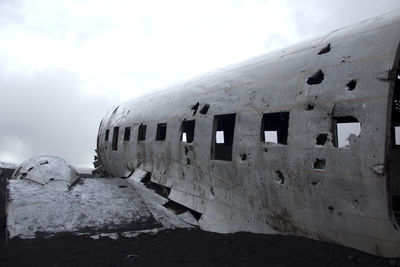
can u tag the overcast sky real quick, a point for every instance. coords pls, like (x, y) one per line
(65, 63)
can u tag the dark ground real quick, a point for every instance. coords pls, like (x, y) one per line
(177, 247)
(5, 174)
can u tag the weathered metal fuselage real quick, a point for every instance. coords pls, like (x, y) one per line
(301, 180)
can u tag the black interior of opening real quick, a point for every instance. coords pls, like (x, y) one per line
(107, 134)
(322, 139)
(351, 85)
(325, 50)
(394, 165)
(142, 132)
(396, 111)
(335, 122)
(161, 131)
(225, 124)
(187, 129)
(127, 133)
(195, 108)
(178, 209)
(204, 109)
(275, 122)
(316, 78)
(115, 138)
(319, 164)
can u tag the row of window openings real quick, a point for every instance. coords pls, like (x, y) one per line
(274, 129)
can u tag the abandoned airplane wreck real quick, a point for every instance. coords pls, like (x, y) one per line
(303, 141)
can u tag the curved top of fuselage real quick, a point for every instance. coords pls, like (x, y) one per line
(275, 68)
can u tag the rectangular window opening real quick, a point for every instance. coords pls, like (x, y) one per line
(397, 135)
(187, 131)
(115, 138)
(106, 135)
(274, 128)
(127, 133)
(161, 131)
(142, 132)
(223, 130)
(344, 127)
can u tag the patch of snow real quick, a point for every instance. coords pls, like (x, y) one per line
(84, 170)
(95, 237)
(131, 234)
(126, 234)
(113, 236)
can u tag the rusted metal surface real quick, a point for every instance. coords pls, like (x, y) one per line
(305, 183)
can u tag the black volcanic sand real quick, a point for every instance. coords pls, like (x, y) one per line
(5, 174)
(182, 247)
(178, 247)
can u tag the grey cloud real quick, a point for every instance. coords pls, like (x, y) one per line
(314, 18)
(46, 113)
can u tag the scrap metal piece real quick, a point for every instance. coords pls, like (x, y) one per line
(47, 170)
(188, 217)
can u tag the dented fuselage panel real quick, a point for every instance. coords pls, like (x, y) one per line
(299, 141)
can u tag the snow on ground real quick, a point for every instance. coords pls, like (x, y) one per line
(94, 205)
(84, 170)
(7, 165)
